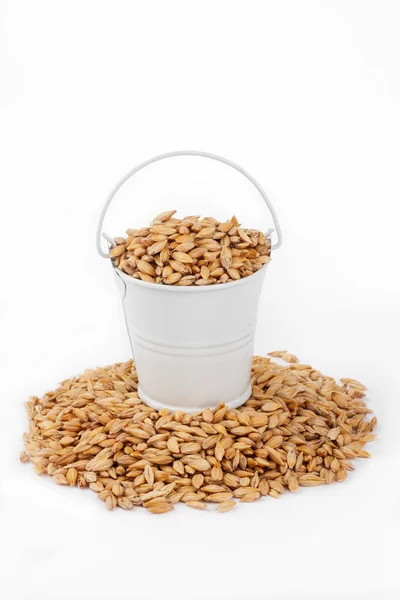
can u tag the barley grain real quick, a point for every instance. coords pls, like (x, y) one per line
(71, 476)
(24, 457)
(161, 508)
(196, 504)
(226, 506)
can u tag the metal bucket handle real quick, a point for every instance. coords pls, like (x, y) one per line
(170, 155)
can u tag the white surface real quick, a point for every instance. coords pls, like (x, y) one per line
(305, 95)
(191, 338)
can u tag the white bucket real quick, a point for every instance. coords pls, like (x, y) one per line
(192, 346)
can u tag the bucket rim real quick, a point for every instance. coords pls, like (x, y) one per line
(188, 289)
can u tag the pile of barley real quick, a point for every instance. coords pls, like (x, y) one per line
(298, 428)
(191, 251)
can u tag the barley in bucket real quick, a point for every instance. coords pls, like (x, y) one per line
(192, 345)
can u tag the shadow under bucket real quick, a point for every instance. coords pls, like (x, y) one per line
(193, 346)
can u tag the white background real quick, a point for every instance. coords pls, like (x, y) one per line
(305, 96)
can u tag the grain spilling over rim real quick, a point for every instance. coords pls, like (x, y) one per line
(191, 251)
(298, 429)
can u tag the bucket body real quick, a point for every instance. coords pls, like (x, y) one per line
(192, 346)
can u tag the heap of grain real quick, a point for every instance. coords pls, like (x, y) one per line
(298, 428)
(191, 251)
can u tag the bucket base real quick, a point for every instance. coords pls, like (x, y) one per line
(192, 409)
